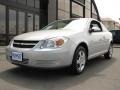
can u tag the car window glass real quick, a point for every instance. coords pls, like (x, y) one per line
(57, 25)
(118, 33)
(113, 33)
(97, 25)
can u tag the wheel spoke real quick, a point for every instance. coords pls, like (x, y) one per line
(81, 60)
(78, 61)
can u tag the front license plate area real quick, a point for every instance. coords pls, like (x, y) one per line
(17, 56)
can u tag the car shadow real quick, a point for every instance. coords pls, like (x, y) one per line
(60, 79)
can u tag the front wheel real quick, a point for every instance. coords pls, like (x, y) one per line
(79, 60)
(109, 54)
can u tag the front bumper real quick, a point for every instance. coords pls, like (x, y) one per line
(47, 58)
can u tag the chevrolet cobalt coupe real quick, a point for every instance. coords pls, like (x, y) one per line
(63, 43)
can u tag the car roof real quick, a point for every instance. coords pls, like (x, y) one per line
(88, 19)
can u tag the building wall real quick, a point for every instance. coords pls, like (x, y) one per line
(88, 8)
(63, 9)
(52, 10)
(111, 25)
(77, 8)
(17, 17)
(20, 16)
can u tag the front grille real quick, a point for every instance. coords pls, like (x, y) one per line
(24, 44)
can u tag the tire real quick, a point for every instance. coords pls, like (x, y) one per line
(108, 55)
(79, 60)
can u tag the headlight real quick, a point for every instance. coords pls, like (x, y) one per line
(53, 42)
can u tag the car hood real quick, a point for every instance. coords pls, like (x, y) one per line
(44, 34)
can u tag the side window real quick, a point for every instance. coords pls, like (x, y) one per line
(96, 26)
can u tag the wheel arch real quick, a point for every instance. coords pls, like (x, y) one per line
(84, 45)
(111, 42)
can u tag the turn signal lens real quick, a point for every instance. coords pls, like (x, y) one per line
(59, 42)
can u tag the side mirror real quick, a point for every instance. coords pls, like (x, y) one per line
(91, 30)
(94, 29)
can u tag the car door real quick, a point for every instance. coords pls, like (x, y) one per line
(105, 37)
(96, 39)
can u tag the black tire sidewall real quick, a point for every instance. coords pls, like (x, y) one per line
(74, 63)
(107, 55)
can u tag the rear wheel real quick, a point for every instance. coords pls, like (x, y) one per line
(79, 60)
(108, 55)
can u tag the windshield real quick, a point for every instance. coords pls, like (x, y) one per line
(57, 25)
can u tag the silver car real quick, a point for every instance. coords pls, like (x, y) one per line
(63, 43)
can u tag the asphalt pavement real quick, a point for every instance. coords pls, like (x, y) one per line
(100, 74)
